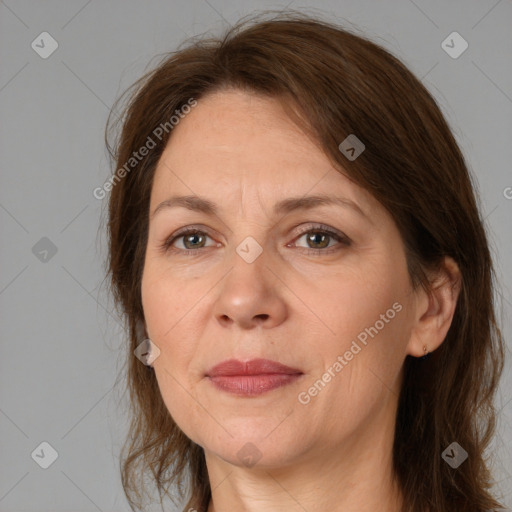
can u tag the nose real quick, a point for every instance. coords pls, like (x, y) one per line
(250, 295)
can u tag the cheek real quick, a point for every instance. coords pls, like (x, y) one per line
(166, 320)
(367, 313)
(158, 302)
(169, 325)
(165, 301)
(362, 301)
(366, 380)
(182, 405)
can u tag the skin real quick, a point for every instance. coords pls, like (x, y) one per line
(243, 152)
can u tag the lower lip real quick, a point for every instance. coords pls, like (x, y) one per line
(253, 385)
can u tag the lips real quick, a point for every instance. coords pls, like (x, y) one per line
(252, 377)
(233, 367)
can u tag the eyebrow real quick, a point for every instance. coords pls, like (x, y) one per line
(203, 205)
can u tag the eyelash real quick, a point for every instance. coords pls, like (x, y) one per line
(166, 246)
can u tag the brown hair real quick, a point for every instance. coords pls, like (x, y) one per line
(339, 83)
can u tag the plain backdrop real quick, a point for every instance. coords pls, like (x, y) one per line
(62, 347)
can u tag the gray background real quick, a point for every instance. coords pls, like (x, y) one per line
(61, 346)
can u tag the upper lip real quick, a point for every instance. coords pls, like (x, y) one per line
(234, 367)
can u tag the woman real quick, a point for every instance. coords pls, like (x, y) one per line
(296, 246)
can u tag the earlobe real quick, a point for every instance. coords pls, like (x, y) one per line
(435, 310)
(141, 330)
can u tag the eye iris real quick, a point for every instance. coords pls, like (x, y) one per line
(313, 238)
(191, 238)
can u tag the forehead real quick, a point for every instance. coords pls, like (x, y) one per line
(235, 142)
(243, 125)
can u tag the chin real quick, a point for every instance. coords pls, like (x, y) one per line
(250, 445)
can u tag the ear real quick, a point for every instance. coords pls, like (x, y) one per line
(434, 311)
(142, 331)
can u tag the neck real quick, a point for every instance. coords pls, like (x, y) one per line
(354, 477)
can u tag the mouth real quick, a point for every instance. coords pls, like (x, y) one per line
(251, 378)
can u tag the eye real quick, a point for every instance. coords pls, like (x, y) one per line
(318, 238)
(191, 239)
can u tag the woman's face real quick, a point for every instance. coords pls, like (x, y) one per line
(320, 287)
